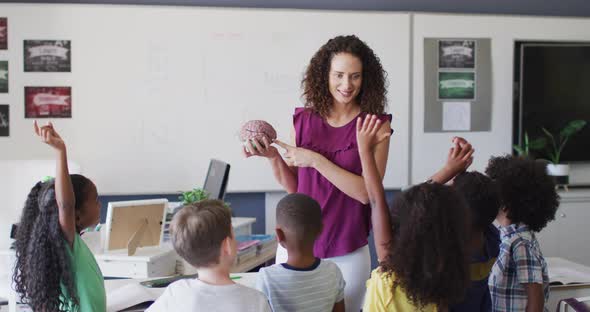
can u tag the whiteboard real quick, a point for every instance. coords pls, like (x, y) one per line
(158, 91)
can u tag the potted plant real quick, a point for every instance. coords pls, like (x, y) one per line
(527, 145)
(193, 196)
(556, 146)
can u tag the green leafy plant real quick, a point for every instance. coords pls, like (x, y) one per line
(527, 145)
(558, 142)
(193, 196)
(197, 195)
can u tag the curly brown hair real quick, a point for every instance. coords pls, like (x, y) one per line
(428, 255)
(372, 97)
(43, 275)
(526, 190)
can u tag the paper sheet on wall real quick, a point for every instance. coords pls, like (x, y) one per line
(456, 116)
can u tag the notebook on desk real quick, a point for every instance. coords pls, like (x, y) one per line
(565, 272)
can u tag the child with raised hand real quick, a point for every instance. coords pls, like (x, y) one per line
(519, 280)
(55, 270)
(422, 248)
(483, 200)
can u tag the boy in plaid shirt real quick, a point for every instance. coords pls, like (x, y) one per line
(519, 280)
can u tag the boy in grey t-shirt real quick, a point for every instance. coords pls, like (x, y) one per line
(304, 283)
(202, 235)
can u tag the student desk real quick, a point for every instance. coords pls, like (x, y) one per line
(241, 226)
(559, 292)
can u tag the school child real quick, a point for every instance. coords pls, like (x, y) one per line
(483, 200)
(305, 282)
(202, 235)
(422, 248)
(519, 280)
(55, 270)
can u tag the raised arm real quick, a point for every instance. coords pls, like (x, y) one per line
(459, 159)
(349, 183)
(64, 192)
(368, 137)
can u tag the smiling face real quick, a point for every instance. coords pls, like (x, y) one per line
(345, 78)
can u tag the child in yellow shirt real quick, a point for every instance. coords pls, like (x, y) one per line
(422, 248)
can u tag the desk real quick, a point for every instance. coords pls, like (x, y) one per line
(559, 292)
(113, 265)
(114, 287)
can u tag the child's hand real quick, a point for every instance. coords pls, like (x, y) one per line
(367, 132)
(49, 136)
(460, 156)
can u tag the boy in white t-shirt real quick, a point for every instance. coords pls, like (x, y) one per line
(202, 235)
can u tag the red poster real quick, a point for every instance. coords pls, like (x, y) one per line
(48, 102)
(3, 33)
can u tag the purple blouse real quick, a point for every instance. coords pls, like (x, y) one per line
(347, 222)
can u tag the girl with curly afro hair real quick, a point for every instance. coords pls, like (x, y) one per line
(422, 242)
(519, 280)
(55, 270)
(344, 80)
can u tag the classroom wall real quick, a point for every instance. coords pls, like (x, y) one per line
(157, 91)
(429, 149)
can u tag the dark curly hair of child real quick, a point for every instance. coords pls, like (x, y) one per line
(526, 190)
(428, 254)
(482, 196)
(372, 97)
(42, 264)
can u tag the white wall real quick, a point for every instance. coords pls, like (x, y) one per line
(159, 90)
(429, 150)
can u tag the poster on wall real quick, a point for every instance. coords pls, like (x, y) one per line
(3, 76)
(48, 102)
(3, 33)
(456, 53)
(4, 121)
(47, 56)
(456, 85)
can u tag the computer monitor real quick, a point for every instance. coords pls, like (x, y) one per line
(133, 224)
(216, 180)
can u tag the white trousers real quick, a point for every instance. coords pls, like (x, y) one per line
(356, 270)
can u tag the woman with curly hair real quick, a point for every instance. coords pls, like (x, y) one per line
(344, 80)
(55, 270)
(423, 248)
(519, 280)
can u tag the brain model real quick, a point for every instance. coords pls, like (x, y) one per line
(257, 129)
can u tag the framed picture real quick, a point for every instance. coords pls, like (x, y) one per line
(4, 121)
(3, 33)
(456, 85)
(3, 76)
(456, 53)
(47, 56)
(48, 102)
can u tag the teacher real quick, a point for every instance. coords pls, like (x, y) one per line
(344, 80)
